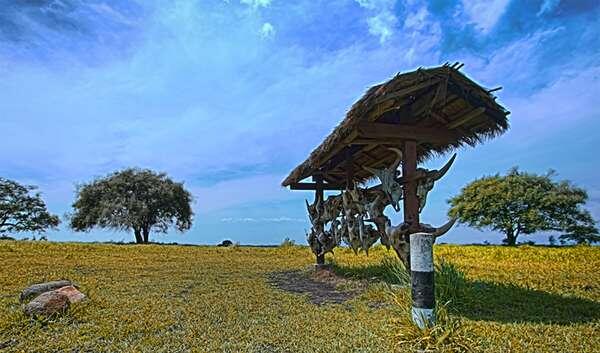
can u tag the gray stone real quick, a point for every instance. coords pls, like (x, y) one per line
(40, 288)
(47, 303)
(72, 293)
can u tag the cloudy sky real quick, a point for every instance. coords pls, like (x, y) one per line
(229, 96)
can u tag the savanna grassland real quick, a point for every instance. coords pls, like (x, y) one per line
(153, 298)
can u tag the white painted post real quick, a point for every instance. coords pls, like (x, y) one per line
(422, 279)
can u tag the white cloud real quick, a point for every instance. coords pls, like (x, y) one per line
(376, 4)
(232, 193)
(382, 25)
(419, 27)
(501, 64)
(255, 4)
(547, 7)
(417, 20)
(267, 30)
(565, 102)
(485, 13)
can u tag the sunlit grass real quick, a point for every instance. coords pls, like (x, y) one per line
(153, 298)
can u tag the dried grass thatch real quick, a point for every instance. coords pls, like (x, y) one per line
(441, 99)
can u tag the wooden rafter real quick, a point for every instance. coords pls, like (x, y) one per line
(464, 118)
(398, 133)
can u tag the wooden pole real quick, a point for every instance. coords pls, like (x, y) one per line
(318, 179)
(349, 171)
(409, 170)
(421, 245)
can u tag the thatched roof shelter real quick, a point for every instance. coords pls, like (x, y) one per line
(440, 108)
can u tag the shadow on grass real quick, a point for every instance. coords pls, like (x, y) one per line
(490, 301)
(510, 303)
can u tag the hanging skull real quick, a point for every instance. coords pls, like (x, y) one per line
(425, 184)
(377, 201)
(389, 184)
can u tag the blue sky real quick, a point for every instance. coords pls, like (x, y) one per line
(229, 96)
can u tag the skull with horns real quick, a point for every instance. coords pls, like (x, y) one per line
(389, 184)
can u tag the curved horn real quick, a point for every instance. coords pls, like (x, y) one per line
(443, 229)
(440, 173)
(398, 159)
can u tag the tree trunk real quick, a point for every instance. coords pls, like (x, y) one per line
(138, 235)
(320, 260)
(511, 238)
(146, 233)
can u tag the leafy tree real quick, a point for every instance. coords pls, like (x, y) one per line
(133, 199)
(524, 203)
(21, 211)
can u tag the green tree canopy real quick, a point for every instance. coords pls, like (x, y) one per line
(133, 199)
(523, 203)
(21, 211)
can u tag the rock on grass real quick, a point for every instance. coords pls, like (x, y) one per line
(40, 288)
(48, 303)
(72, 293)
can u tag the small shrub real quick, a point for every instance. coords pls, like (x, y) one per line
(225, 243)
(394, 271)
(528, 242)
(450, 283)
(287, 242)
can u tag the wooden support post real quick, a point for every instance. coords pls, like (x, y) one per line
(411, 202)
(422, 279)
(349, 171)
(318, 179)
(421, 244)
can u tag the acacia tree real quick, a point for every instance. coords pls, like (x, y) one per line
(133, 199)
(21, 211)
(523, 203)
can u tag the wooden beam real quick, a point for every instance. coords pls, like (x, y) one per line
(319, 197)
(407, 91)
(475, 101)
(313, 186)
(339, 147)
(400, 133)
(341, 157)
(349, 171)
(454, 123)
(318, 179)
(440, 117)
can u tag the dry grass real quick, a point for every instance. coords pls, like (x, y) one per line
(174, 298)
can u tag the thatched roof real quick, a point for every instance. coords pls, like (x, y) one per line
(439, 107)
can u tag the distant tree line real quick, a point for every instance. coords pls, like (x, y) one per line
(142, 201)
(136, 200)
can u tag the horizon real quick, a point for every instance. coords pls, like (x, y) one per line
(229, 96)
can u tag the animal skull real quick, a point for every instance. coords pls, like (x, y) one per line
(425, 184)
(370, 237)
(331, 208)
(400, 236)
(314, 211)
(375, 208)
(389, 185)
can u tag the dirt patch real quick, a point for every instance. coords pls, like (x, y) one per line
(321, 286)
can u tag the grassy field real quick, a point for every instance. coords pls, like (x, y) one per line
(182, 298)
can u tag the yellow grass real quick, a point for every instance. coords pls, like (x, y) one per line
(174, 298)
